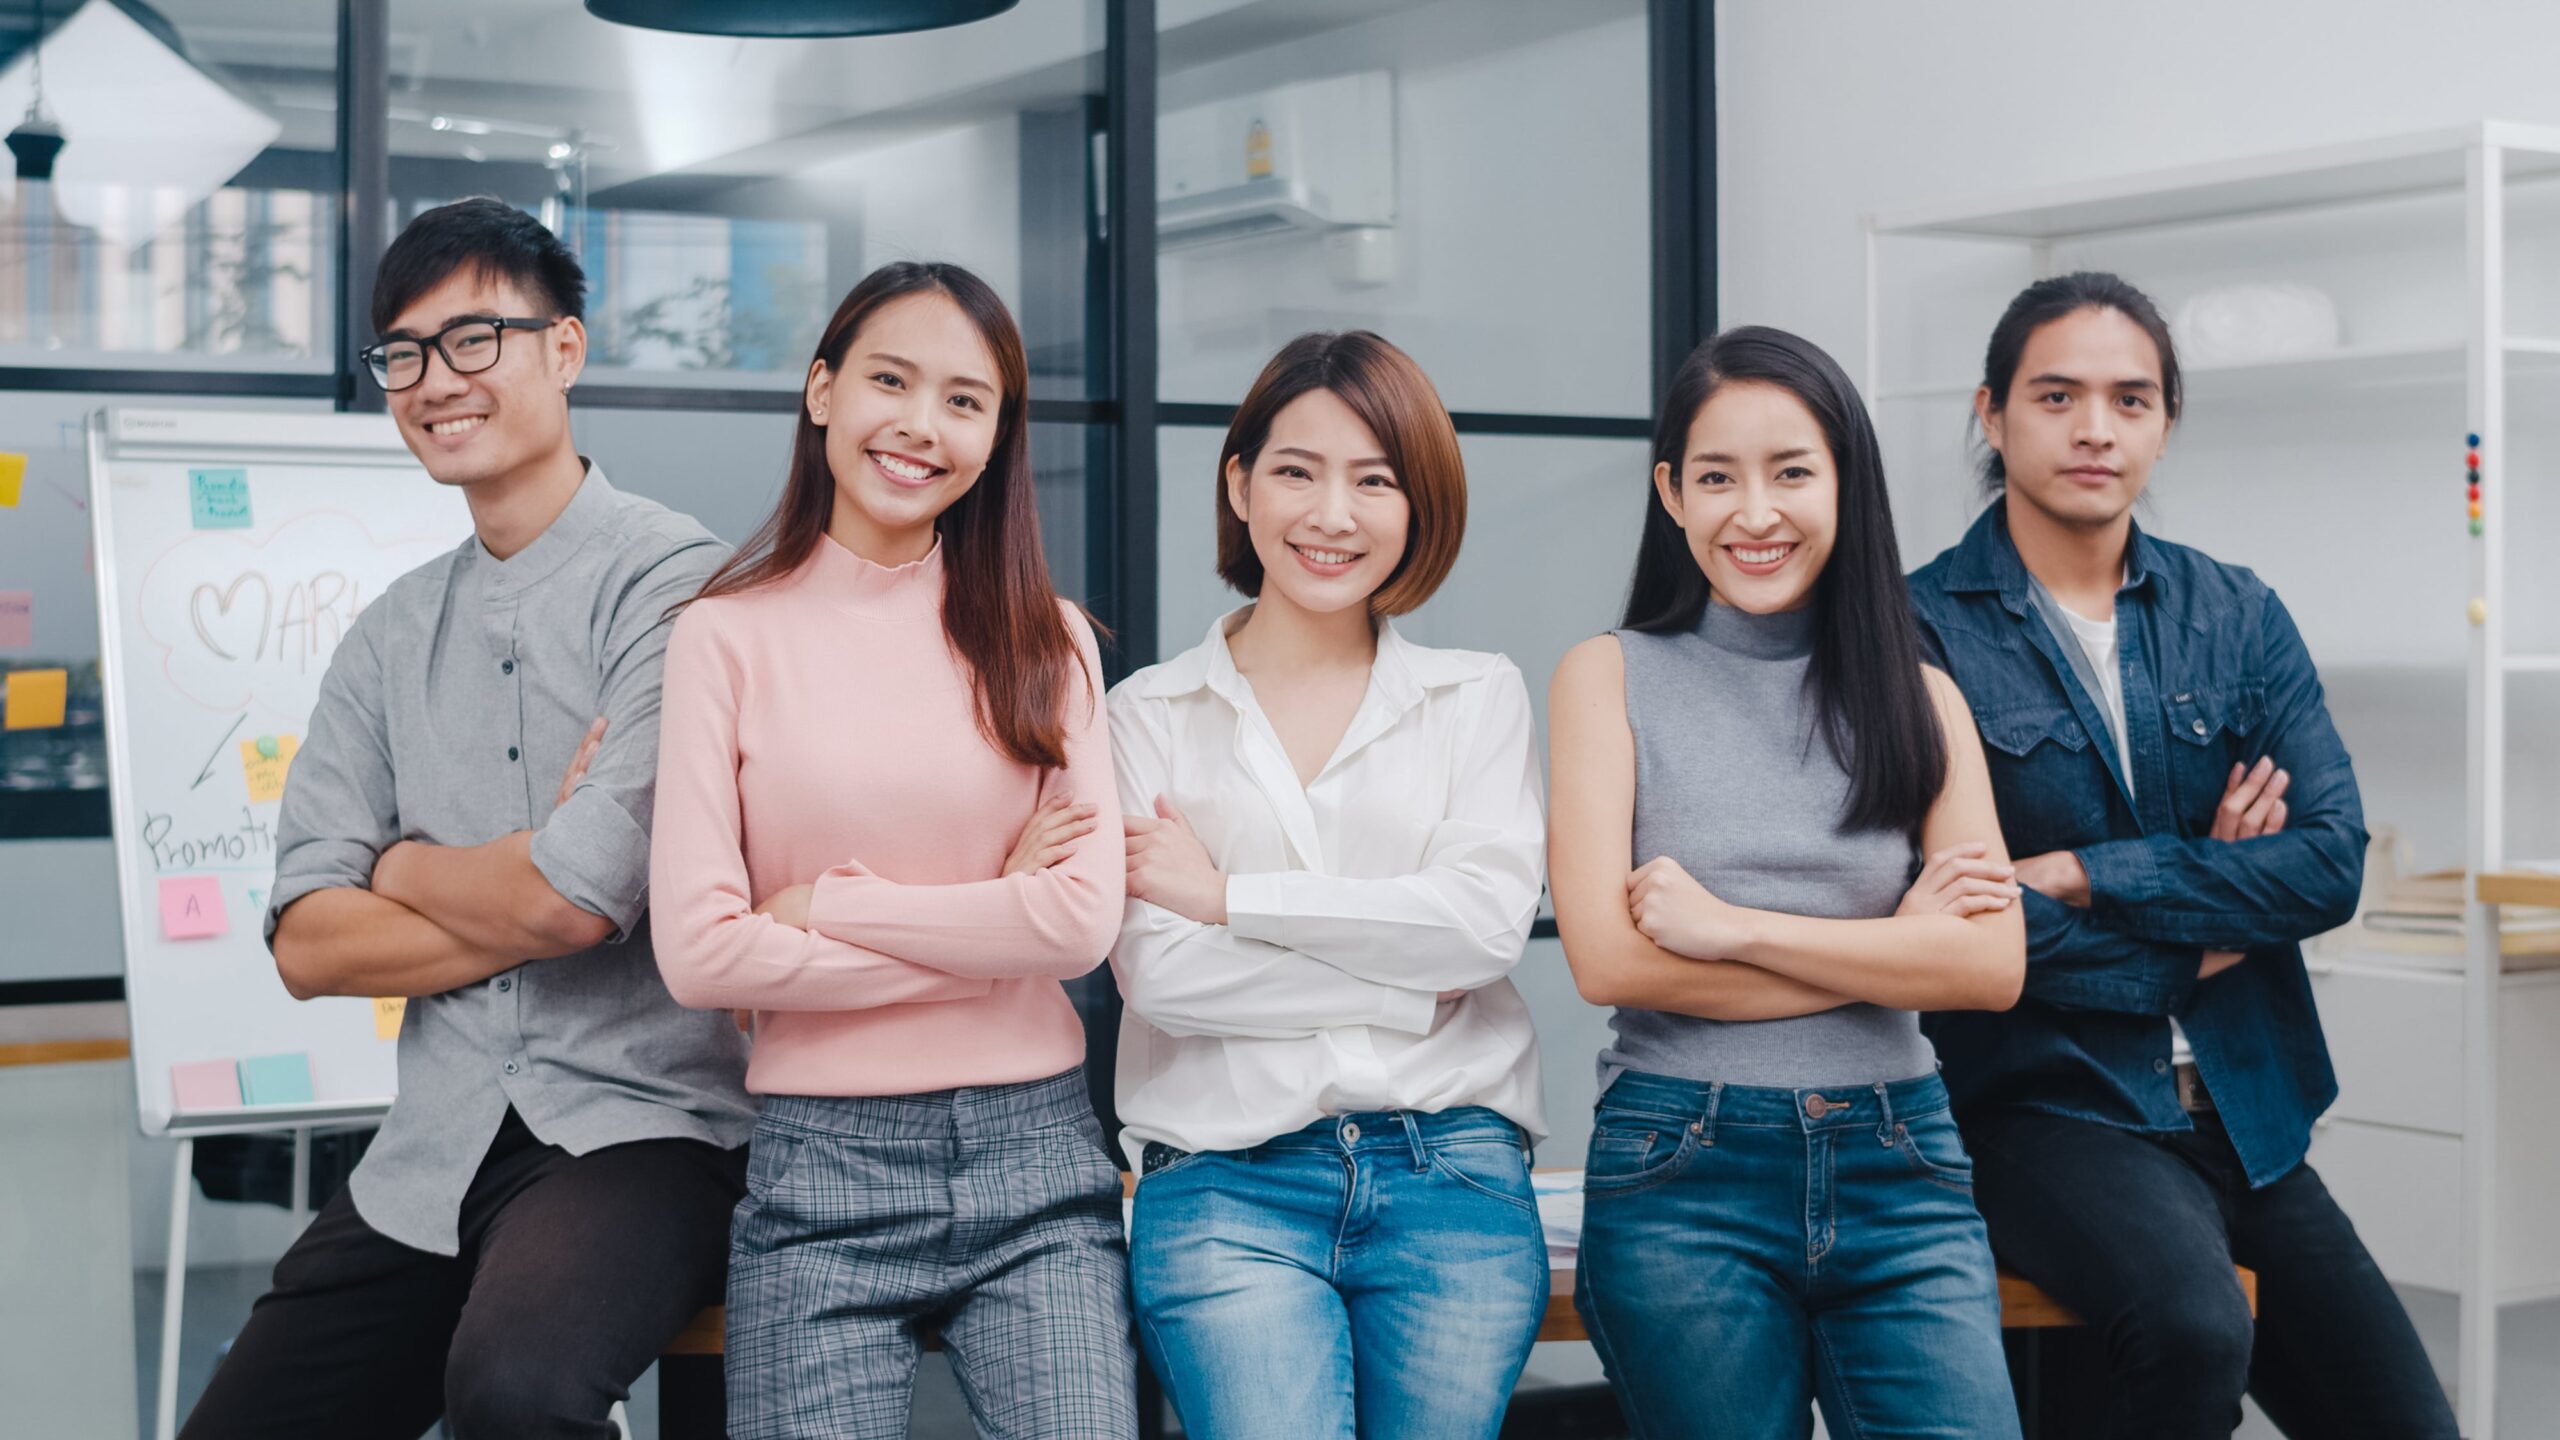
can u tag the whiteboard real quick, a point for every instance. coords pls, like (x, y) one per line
(234, 548)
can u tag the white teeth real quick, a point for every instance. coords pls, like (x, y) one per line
(1761, 557)
(901, 468)
(456, 427)
(1328, 557)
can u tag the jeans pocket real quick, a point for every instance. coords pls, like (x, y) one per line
(1631, 1152)
(1491, 1167)
(1935, 1151)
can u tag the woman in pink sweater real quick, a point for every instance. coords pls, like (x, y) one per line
(886, 826)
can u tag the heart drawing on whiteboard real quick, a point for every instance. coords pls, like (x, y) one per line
(222, 627)
(240, 621)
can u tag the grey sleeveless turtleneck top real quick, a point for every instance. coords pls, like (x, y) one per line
(1733, 782)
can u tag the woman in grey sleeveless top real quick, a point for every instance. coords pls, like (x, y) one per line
(1778, 1210)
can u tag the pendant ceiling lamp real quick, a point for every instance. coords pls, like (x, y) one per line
(37, 139)
(795, 19)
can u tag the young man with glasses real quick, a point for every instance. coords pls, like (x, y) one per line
(468, 825)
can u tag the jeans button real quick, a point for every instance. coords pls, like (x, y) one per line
(1816, 1106)
(1350, 1133)
(511, 1067)
(2159, 1067)
(505, 983)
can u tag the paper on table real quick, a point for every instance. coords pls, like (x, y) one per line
(35, 699)
(265, 761)
(191, 907)
(17, 619)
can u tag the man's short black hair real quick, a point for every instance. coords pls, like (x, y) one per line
(485, 235)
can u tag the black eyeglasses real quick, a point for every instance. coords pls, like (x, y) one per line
(468, 346)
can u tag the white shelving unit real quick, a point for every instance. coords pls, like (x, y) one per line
(2423, 1052)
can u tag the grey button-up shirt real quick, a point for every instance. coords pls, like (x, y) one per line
(448, 715)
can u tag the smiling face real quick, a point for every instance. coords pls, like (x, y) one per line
(1758, 496)
(2083, 422)
(507, 420)
(1327, 515)
(911, 419)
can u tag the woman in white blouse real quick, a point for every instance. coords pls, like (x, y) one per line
(1335, 851)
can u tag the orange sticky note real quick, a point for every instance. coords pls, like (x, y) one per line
(265, 761)
(191, 907)
(35, 699)
(387, 1013)
(13, 479)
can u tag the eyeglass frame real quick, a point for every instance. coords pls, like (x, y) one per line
(376, 361)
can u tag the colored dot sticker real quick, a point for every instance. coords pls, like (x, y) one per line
(2470, 442)
(266, 747)
(2475, 510)
(2475, 527)
(2472, 460)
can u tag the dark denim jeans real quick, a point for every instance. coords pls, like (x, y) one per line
(2138, 1234)
(1379, 1274)
(1748, 1253)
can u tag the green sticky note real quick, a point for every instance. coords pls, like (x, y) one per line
(219, 499)
(276, 1080)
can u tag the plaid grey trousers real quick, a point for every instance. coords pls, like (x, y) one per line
(989, 1215)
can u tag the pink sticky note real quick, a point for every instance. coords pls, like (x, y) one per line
(206, 1085)
(17, 619)
(191, 907)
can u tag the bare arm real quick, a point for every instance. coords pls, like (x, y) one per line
(348, 941)
(1935, 960)
(1590, 847)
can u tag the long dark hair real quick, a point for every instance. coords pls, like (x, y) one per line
(1864, 682)
(998, 608)
(2049, 300)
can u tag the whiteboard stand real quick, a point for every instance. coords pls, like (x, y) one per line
(182, 1187)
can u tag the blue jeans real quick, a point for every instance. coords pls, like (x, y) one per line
(1748, 1253)
(1377, 1274)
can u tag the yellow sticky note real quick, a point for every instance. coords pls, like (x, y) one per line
(35, 699)
(265, 761)
(387, 1013)
(13, 479)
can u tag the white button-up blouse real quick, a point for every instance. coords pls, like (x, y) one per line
(1410, 867)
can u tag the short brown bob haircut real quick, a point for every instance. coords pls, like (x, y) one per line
(1397, 402)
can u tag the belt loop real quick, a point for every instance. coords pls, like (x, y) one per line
(1884, 1127)
(1413, 1136)
(1705, 1125)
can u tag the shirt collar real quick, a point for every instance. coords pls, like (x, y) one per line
(1987, 560)
(1402, 673)
(558, 541)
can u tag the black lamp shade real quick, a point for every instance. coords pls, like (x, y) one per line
(795, 19)
(35, 146)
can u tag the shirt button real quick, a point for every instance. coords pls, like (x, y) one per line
(508, 667)
(2159, 1067)
(511, 1067)
(506, 983)
(511, 752)
(1350, 1133)
(2201, 728)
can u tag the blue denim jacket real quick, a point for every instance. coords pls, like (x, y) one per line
(2214, 673)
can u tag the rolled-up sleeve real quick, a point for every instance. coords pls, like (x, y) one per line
(341, 809)
(594, 848)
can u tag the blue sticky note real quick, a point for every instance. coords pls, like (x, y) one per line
(276, 1080)
(219, 499)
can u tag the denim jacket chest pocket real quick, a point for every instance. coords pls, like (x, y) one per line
(2210, 729)
(2053, 779)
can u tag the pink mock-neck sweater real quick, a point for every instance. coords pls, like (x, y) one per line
(819, 731)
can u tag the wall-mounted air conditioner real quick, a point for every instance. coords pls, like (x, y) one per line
(1312, 157)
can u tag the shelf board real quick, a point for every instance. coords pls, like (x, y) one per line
(2530, 664)
(2520, 887)
(2351, 367)
(2432, 160)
